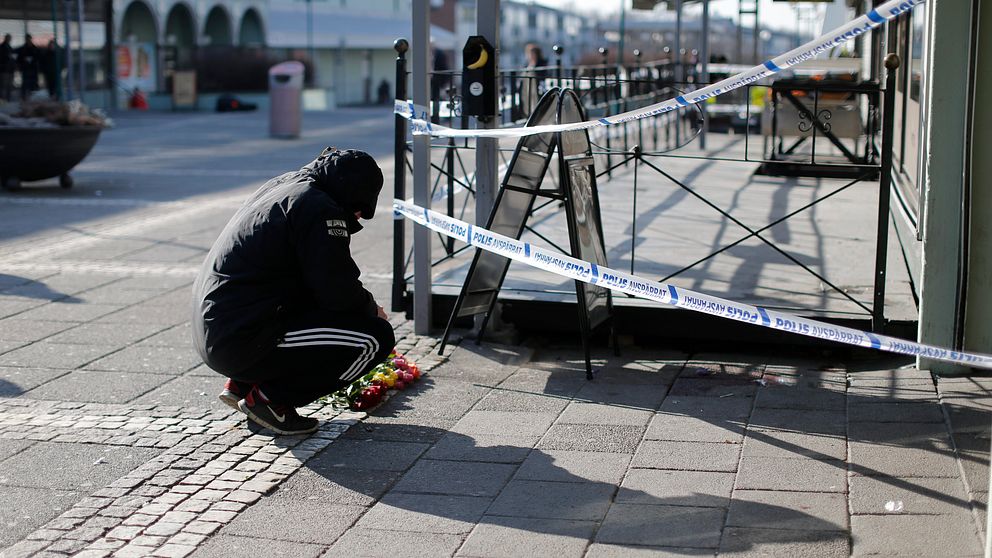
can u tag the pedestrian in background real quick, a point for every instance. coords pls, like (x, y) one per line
(50, 68)
(28, 62)
(8, 63)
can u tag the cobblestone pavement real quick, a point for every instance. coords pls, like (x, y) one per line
(112, 442)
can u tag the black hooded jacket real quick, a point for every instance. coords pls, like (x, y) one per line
(286, 250)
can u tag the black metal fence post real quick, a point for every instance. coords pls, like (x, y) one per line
(605, 53)
(884, 184)
(559, 50)
(399, 180)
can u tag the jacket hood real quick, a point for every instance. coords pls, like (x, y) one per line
(351, 177)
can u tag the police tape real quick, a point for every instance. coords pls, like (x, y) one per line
(420, 123)
(619, 281)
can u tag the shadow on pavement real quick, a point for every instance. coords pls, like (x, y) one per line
(29, 288)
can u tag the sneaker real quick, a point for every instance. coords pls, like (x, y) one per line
(278, 418)
(234, 391)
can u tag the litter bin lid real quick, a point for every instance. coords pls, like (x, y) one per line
(289, 68)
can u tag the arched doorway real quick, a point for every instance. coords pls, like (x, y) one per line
(217, 28)
(137, 52)
(252, 33)
(180, 36)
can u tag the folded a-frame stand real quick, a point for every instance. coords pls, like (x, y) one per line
(520, 188)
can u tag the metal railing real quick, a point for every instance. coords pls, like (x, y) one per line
(819, 144)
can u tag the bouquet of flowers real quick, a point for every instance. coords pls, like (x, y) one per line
(396, 372)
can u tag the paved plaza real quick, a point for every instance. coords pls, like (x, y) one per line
(112, 441)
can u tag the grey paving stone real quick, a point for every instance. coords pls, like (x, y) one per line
(16, 306)
(113, 294)
(563, 383)
(23, 509)
(10, 346)
(506, 537)
(189, 391)
(55, 355)
(681, 428)
(178, 336)
(361, 487)
(426, 513)
(892, 375)
(600, 550)
(504, 423)
(81, 467)
(795, 420)
(475, 364)
(306, 521)
(105, 334)
(700, 407)
(800, 511)
(799, 475)
(554, 500)
(803, 395)
(574, 466)
(595, 413)
(477, 447)
(97, 386)
(145, 313)
(30, 330)
(12, 447)
(794, 445)
(780, 542)
(917, 496)
(424, 429)
(15, 381)
(442, 399)
(633, 396)
(867, 391)
(676, 488)
(713, 387)
(874, 460)
(223, 546)
(903, 412)
(68, 312)
(914, 535)
(150, 359)
(612, 438)
(914, 435)
(976, 469)
(376, 543)
(455, 477)
(368, 454)
(506, 400)
(660, 525)
(687, 456)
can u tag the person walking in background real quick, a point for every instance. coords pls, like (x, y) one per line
(50, 68)
(8, 63)
(28, 62)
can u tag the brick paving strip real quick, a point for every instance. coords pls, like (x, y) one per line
(211, 469)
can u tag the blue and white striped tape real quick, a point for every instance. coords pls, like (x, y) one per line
(619, 281)
(420, 118)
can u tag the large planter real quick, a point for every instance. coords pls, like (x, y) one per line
(28, 154)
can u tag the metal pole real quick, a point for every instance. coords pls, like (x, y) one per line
(68, 51)
(80, 19)
(421, 169)
(704, 72)
(623, 31)
(310, 49)
(399, 180)
(678, 67)
(487, 149)
(109, 59)
(884, 184)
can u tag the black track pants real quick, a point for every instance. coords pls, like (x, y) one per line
(320, 352)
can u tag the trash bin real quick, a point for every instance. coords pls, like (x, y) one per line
(285, 106)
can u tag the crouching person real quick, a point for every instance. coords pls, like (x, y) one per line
(278, 307)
